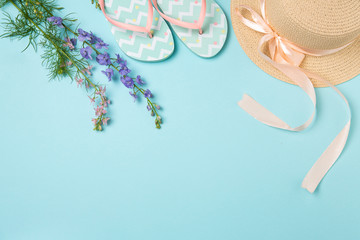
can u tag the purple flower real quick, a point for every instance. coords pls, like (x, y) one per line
(86, 52)
(83, 35)
(93, 39)
(124, 71)
(101, 44)
(139, 80)
(133, 95)
(103, 59)
(73, 41)
(147, 93)
(123, 64)
(128, 82)
(119, 60)
(56, 21)
(109, 73)
(148, 107)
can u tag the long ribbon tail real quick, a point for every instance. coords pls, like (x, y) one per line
(326, 160)
(265, 116)
(333, 151)
(260, 113)
(329, 156)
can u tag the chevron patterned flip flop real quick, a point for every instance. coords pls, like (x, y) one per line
(200, 24)
(128, 18)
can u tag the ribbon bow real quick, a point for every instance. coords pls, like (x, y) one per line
(287, 57)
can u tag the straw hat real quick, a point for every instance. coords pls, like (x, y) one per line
(313, 24)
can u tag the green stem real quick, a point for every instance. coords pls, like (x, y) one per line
(97, 52)
(152, 106)
(57, 47)
(69, 29)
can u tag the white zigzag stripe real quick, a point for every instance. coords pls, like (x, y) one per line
(212, 26)
(163, 52)
(158, 27)
(191, 11)
(130, 9)
(212, 12)
(138, 21)
(186, 34)
(169, 11)
(206, 34)
(195, 45)
(212, 46)
(109, 4)
(132, 40)
(135, 34)
(152, 47)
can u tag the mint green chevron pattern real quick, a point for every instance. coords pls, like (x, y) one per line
(215, 25)
(136, 44)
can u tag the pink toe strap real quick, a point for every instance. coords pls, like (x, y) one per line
(197, 25)
(130, 27)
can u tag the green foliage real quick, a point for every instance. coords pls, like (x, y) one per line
(18, 28)
(96, 2)
(59, 55)
(3, 3)
(31, 24)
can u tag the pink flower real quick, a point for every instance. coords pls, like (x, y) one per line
(94, 120)
(105, 103)
(68, 63)
(70, 43)
(101, 91)
(92, 100)
(87, 70)
(105, 120)
(99, 110)
(97, 113)
(79, 81)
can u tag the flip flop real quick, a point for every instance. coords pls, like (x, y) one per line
(139, 30)
(200, 24)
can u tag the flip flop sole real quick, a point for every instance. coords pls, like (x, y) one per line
(215, 25)
(138, 45)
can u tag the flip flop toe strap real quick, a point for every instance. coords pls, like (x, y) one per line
(130, 27)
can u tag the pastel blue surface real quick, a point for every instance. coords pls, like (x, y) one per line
(211, 172)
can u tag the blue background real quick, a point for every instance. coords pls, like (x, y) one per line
(211, 172)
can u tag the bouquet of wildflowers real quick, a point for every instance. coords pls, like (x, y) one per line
(69, 52)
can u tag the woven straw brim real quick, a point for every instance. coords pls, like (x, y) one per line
(336, 68)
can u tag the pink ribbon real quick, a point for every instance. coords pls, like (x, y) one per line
(131, 27)
(287, 57)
